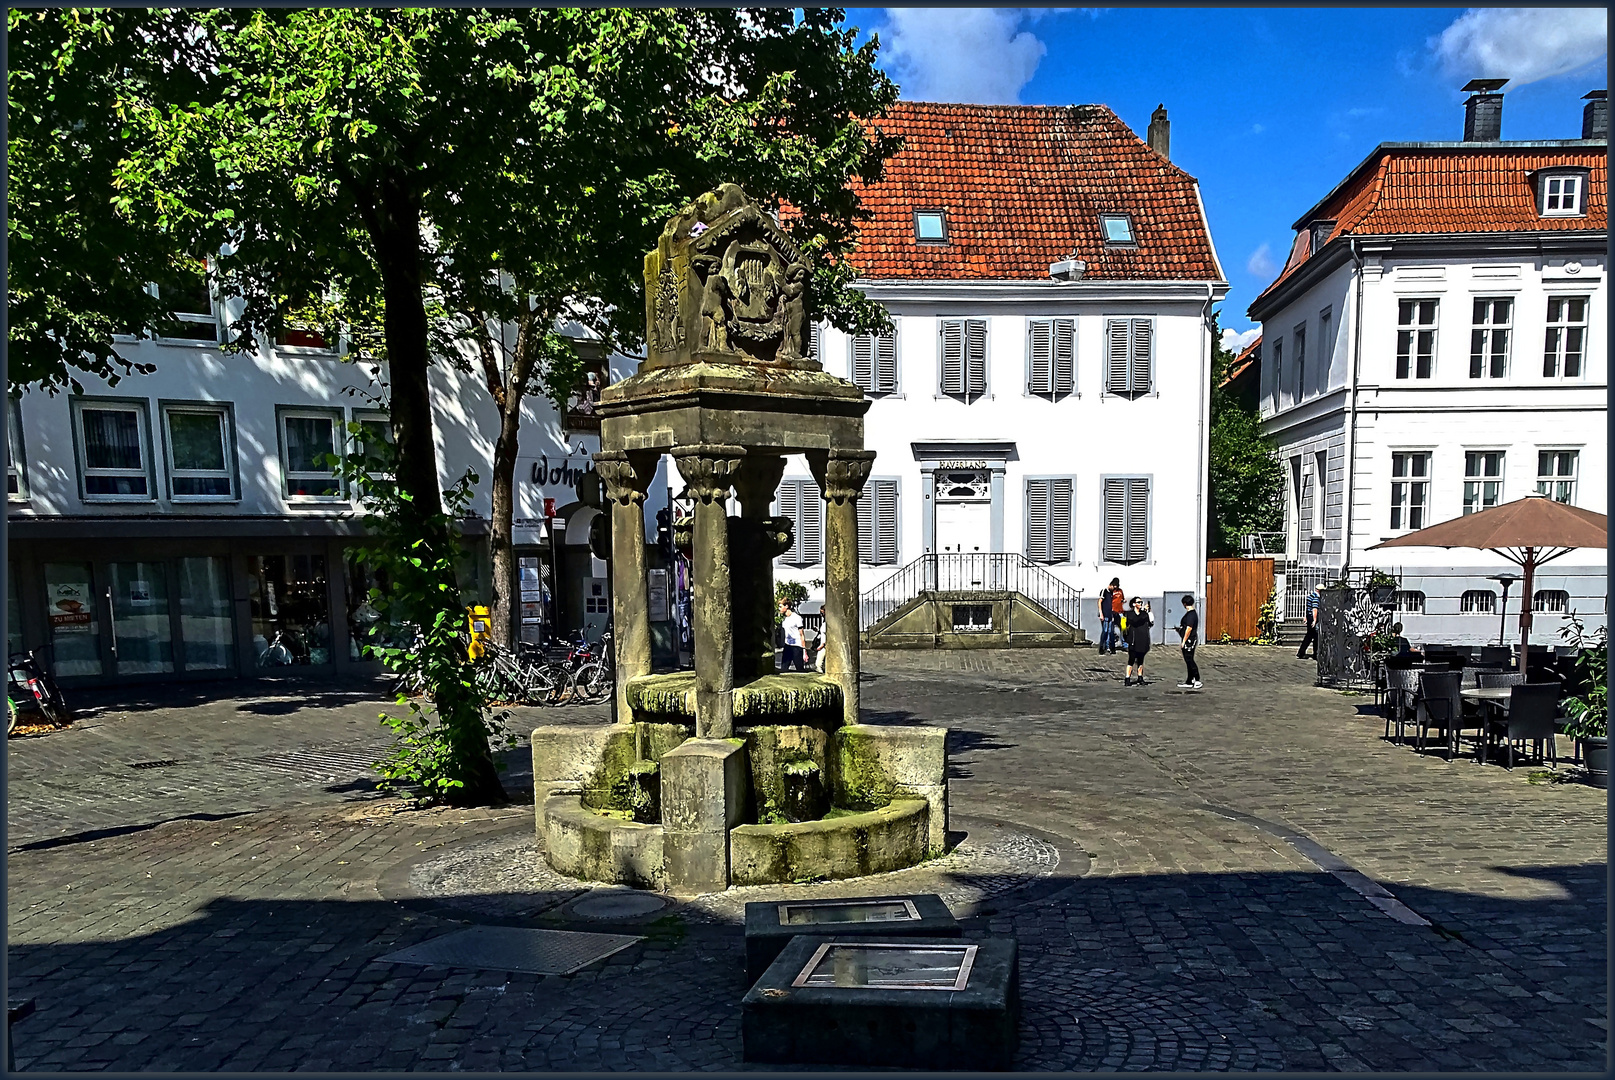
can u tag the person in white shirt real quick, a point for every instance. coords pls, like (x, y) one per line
(791, 623)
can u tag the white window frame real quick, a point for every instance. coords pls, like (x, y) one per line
(200, 318)
(804, 492)
(1131, 239)
(1483, 337)
(339, 445)
(1054, 549)
(227, 434)
(1551, 601)
(879, 539)
(141, 408)
(1571, 199)
(1558, 332)
(1477, 485)
(1135, 550)
(1278, 372)
(1546, 483)
(874, 384)
(1402, 503)
(1478, 602)
(1411, 331)
(1060, 378)
(969, 330)
(16, 452)
(1136, 337)
(1320, 491)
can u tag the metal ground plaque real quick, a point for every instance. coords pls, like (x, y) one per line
(513, 948)
(769, 926)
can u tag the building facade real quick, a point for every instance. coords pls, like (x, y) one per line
(1436, 344)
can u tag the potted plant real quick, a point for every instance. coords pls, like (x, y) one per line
(1587, 716)
(1382, 587)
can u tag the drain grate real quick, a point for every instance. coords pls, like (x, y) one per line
(165, 763)
(321, 762)
(512, 948)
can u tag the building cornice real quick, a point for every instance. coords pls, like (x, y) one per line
(955, 291)
(1305, 413)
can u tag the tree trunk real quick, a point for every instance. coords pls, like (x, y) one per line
(508, 391)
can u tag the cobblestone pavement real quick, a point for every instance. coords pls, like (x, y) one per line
(1246, 878)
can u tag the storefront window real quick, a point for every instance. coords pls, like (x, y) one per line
(368, 625)
(13, 612)
(291, 621)
(204, 613)
(143, 636)
(74, 627)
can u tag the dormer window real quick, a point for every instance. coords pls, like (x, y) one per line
(1117, 228)
(1320, 234)
(931, 226)
(1562, 192)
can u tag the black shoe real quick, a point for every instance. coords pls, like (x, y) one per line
(1127, 681)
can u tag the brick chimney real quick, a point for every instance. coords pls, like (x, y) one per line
(1483, 112)
(1160, 133)
(1595, 117)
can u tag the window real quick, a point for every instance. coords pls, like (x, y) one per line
(305, 436)
(877, 523)
(1048, 520)
(1129, 356)
(1567, 337)
(931, 226)
(972, 618)
(197, 439)
(1051, 358)
(1326, 346)
(16, 460)
(1320, 235)
(1320, 490)
(1562, 195)
(1117, 228)
(1410, 490)
(1478, 602)
(1127, 519)
(1299, 336)
(1488, 341)
(1556, 474)
(185, 292)
(964, 358)
(1407, 602)
(596, 602)
(1308, 505)
(799, 500)
(297, 334)
(112, 441)
(1278, 369)
(874, 363)
(1552, 601)
(1415, 338)
(1483, 479)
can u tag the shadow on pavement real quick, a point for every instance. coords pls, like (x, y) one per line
(304, 693)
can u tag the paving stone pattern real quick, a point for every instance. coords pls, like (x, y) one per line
(1167, 934)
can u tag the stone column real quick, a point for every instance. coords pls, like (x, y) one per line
(756, 484)
(708, 473)
(841, 475)
(627, 477)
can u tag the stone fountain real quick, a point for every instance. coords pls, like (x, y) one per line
(734, 774)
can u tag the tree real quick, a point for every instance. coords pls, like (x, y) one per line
(1245, 475)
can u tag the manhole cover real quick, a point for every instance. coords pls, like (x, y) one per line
(510, 948)
(617, 905)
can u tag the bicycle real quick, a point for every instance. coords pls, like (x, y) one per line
(278, 653)
(30, 688)
(594, 674)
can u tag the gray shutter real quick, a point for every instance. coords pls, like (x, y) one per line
(1040, 357)
(813, 341)
(863, 361)
(1037, 520)
(1116, 380)
(1138, 520)
(886, 519)
(1115, 540)
(953, 379)
(1308, 489)
(1065, 356)
(810, 527)
(1141, 368)
(886, 363)
(866, 524)
(1059, 520)
(786, 504)
(975, 357)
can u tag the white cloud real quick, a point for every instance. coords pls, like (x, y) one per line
(1261, 262)
(1522, 44)
(1257, 129)
(975, 55)
(1236, 340)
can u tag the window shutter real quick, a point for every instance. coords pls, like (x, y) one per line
(1059, 521)
(1065, 356)
(1115, 520)
(1140, 371)
(786, 505)
(1040, 357)
(1138, 520)
(1037, 520)
(953, 381)
(886, 363)
(886, 520)
(866, 524)
(1307, 495)
(976, 357)
(810, 526)
(1116, 376)
(813, 341)
(863, 361)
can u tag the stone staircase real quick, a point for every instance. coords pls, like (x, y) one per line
(1291, 632)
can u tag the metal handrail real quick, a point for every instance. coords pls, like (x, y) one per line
(986, 571)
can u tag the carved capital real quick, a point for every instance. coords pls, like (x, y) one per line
(627, 476)
(709, 471)
(758, 480)
(841, 473)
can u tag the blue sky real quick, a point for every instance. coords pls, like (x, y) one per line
(1270, 107)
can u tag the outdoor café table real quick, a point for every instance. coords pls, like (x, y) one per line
(1494, 696)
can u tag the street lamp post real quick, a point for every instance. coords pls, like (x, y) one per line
(1502, 625)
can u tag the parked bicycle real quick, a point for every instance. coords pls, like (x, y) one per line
(30, 689)
(504, 674)
(591, 667)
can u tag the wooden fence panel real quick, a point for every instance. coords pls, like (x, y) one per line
(1235, 595)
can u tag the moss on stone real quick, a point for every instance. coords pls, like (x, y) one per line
(787, 695)
(860, 783)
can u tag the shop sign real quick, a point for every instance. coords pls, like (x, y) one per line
(657, 588)
(961, 464)
(70, 608)
(564, 473)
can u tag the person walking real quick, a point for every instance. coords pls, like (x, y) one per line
(1312, 627)
(1110, 608)
(1139, 622)
(1189, 632)
(791, 623)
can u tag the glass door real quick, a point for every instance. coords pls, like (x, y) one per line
(142, 633)
(205, 614)
(73, 613)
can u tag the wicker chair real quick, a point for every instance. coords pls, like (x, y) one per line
(1439, 706)
(1401, 688)
(1531, 718)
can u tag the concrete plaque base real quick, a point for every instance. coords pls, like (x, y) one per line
(877, 1017)
(771, 925)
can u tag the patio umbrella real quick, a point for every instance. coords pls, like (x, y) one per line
(1527, 532)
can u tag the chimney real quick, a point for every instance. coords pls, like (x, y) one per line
(1483, 112)
(1160, 135)
(1595, 117)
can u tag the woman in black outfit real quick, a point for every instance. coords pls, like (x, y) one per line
(1139, 622)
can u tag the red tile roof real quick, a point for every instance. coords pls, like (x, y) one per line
(1242, 363)
(1023, 186)
(1456, 189)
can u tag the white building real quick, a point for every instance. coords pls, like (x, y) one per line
(1437, 344)
(1063, 419)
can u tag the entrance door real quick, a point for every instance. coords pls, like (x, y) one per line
(963, 527)
(142, 628)
(75, 631)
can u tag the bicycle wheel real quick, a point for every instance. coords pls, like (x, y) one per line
(11, 716)
(589, 684)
